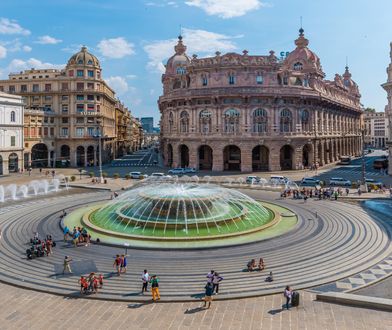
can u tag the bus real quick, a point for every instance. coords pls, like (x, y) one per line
(345, 160)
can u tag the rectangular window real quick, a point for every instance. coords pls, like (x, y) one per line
(64, 97)
(98, 98)
(23, 88)
(35, 88)
(48, 87)
(71, 73)
(52, 131)
(90, 120)
(64, 131)
(90, 86)
(80, 97)
(39, 131)
(64, 86)
(98, 74)
(32, 131)
(90, 131)
(47, 107)
(80, 120)
(11, 89)
(90, 97)
(98, 108)
(80, 86)
(259, 79)
(48, 97)
(80, 107)
(13, 141)
(90, 73)
(231, 80)
(45, 131)
(52, 120)
(64, 120)
(79, 73)
(79, 131)
(205, 81)
(45, 119)
(90, 107)
(64, 108)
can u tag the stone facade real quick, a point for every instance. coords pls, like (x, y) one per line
(256, 113)
(11, 133)
(66, 112)
(376, 129)
(388, 108)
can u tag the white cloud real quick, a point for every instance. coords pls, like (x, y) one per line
(118, 84)
(115, 47)
(162, 4)
(48, 40)
(3, 52)
(131, 76)
(15, 46)
(8, 26)
(17, 65)
(225, 8)
(73, 48)
(197, 41)
(27, 49)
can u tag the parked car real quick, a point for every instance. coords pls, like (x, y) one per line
(178, 170)
(339, 182)
(189, 170)
(310, 182)
(137, 175)
(373, 183)
(252, 179)
(278, 179)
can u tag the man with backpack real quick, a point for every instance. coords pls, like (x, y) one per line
(208, 294)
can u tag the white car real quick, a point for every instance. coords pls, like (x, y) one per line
(157, 175)
(178, 170)
(279, 179)
(310, 182)
(136, 175)
(189, 170)
(339, 182)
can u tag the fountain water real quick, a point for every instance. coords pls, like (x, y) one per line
(12, 188)
(24, 190)
(35, 185)
(56, 184)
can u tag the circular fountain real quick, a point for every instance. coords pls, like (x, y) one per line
(176, 212)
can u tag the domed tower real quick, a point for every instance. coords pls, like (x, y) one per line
(175, 75)
(83, 64)
(350, 84)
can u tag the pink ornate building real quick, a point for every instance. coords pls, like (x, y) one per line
(245, 112)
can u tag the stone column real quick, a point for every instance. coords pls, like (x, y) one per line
(49, 158)
(274, 158)
(193, 159)
(85, 156)
(95, 157)
(331, 151)
(217, 158)
(73, 157)
(246, 159)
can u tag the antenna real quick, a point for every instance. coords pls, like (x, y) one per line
(346, 61)
(180, 30)
(300, 21)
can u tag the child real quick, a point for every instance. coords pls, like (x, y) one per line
(83, 285)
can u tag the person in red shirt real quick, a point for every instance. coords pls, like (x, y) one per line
(100, 278)
(117, 264)
(83, 284)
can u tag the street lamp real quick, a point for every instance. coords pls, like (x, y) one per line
(99, 135)
(363, 157)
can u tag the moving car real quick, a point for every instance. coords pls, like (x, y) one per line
(339, 182)
(178, 170)
(373, 183)
(189, 170)
(157, 174)
(310, 182)
(345, 160)
(252, 179)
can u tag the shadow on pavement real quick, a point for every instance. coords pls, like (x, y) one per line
(194, 310)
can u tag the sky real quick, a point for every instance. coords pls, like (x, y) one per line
(134, 38)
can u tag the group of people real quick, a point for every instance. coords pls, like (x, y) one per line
(154, 281)
(91, 283)
(322, 193)
(212, 287)
(120, 264)
(40, 246)
(251, 265)
(79, 235)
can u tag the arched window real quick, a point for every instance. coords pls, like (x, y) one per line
(305, 120)
(205, 121)
(204, 80)
(184, 122)
(180, 70)
(286, 121)
(13, 117)
(90, 62)
(232, 121)
(298, 66)
(171, 122)
(80, 61)
(259, 78)
(260, 121)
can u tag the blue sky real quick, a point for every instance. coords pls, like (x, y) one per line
(133, 37)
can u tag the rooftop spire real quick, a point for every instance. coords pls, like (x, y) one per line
(301, 42)
(180, 48)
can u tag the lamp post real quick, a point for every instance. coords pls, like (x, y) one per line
(363, 157)
(100, 150)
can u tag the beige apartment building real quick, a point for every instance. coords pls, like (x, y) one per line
(68, 113)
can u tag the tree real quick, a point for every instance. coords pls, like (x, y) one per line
(372, 110)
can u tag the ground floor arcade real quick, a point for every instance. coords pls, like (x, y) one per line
(265, 155)
(10, 161)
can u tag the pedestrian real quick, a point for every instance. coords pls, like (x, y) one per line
(124, 263)
(145, 280)
(83, 284)
(287, 294)
(208, 294)
(117, 264)
(155, 288)
(215, 282)
(210, 276)
(100, 278)
(67, 266)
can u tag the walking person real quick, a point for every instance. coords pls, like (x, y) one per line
(124, 263)
(208, 294)
(210, 276)
(145, 280)
(215, 282)
(155, 288)
(66, 264)
(287, 294)
(117, 264)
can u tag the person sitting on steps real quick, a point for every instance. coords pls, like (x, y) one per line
(251, 265)
(261, 265)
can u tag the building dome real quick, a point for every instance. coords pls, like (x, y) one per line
(83, 57)
(179, 59)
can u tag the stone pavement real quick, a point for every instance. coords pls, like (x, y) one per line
(24, 309)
